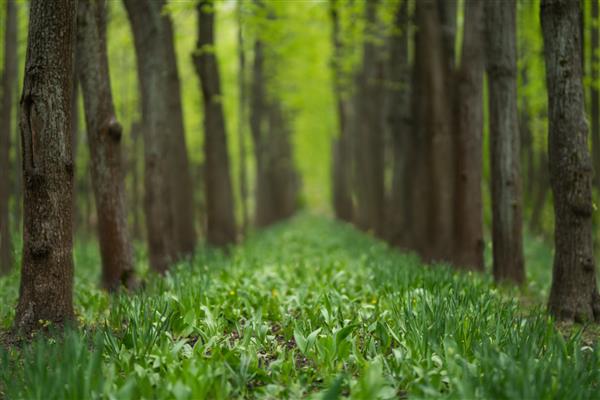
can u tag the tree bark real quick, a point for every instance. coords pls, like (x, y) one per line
(504, 133)
(574, 294)
(434, 200)
(243, 115)
(469, 208)
(218, 192)
(9, 80)
(46, 291)
(145, 18)
(180, 178)
(368, 155)
(341, 157)
(595, 96)
(104, 140)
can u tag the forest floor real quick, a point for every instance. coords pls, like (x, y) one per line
(309, 308)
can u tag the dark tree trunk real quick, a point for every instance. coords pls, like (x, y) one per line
(526, 141)
(435, 175)
(243, 115)
(399, 119)
(180, 179)
(539, 195)
(9, 81)
(595, 97)
(368, 155)
(507, 236)
(146, 23)
(135, 181)
(469, 208)
(341, 158)
(104, 140)
(574, 294)
(218, 192)
(74, 138)
(46, 292)
(277, 182)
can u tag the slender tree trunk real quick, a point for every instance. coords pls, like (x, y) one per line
(180, 178)
(135, 177)
(46, 292)
(539, 196)
(146, 22)
(74, 140)
(595, 97)
(469, 208)
(243, 115)
(526, 141)
(399, 120)
(574, 294)
(9, 80)
(507, 223)
(436, 171)
(369, 150)
(342, 163)
(218, 191)
(277, 183)
(104, 140)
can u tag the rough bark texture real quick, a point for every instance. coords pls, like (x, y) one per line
(435, 176)
(574, 294)
(8, 89)
(277, 182)
(595, 95)
(342, 162)
(180, 178)
(146, 23)
(500, 20)
(399, 120)
(218, 192)
(46, 291)
(104, 140)
(368, 155)
(469, 208)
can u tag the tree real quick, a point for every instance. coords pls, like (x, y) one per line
(104, 140)
(9, 80)
(434, 180)
(218, 191)
(242, 123)
(46, 292)
(342, 162)
(507, 236)
(595, 96)
(469, 84)
(368, 157)
(180, 179)
(145, 19)
(400, 127)
(574, 293)
(277, 182)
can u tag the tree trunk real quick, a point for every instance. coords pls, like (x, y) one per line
(9, 81)
(469, 208)
(242, 111)
(277, 183)
(104, 140)
(595, 97)
(369, 149)
(341, 161)
(574, 294)
(74, 138)
(134, 156)
(180, 179)
(507, 236)
(434, 201)
(145, 18)
(218, 191)
(46, 292)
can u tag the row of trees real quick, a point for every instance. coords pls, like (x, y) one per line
(430, 105)
(67, 47)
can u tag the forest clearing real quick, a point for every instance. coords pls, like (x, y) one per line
(285, 199)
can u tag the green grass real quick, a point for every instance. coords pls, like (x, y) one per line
(307, 309)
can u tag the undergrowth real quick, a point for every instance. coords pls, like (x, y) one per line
(307, 309)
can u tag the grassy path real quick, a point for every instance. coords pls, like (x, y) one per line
(309, 308)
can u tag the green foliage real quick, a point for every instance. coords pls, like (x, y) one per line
(309, 308)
